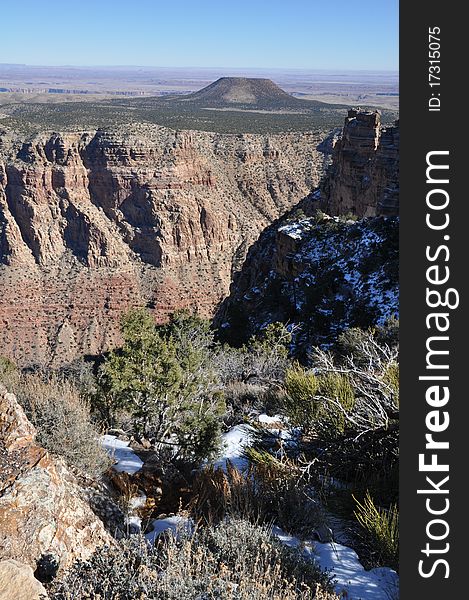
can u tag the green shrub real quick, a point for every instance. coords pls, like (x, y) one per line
(307, 396)
(348, 216)
(163, 377)
(389, 332)
(351, 342)
(363, 345)
(140, 373)
(301, 406)
(382, 530)
(336, 387)
(198, 429)
(275, 338)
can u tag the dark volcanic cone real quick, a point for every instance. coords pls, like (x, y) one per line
(230, 92)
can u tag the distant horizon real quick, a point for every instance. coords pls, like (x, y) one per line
(199, 67)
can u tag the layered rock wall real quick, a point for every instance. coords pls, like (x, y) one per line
(94, 223)
(363, 178)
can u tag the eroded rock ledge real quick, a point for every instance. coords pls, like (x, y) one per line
(42, 511)
(364, 176)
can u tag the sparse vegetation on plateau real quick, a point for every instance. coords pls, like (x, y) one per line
(172, 113)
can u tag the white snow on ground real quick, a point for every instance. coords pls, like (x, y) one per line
(266, 420)
(133, 521)
(233, 443)
(137, 501)
(176, 524)
(126, 459)
(270, 422)
(126, 462)
(350, 576)
(296, 230)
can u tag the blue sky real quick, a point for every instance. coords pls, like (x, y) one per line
(310, 34)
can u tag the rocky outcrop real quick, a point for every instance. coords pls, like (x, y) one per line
(42, 512)
(363, 178)
(319, 275)
(94, 223)
(325, 273)
(17, 582)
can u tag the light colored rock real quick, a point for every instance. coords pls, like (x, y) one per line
(15, 430)
(17, 582)
(41, 506)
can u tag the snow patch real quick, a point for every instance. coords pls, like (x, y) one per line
(126, 459)
(266, 420)
(350, 576)
(137, 502)
(233, 443)
(176, 524)
(297, 229)
(133, 523)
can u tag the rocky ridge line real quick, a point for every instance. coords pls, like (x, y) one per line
(42, 512)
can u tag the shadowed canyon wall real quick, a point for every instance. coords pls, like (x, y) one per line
(326, 272)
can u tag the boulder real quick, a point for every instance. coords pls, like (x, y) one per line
(42, 508)
(15, 429)
(17, 582)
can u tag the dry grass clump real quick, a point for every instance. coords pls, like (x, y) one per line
(9, 373)
(218, 493)
(234, 561)
(270, 492)
(381, 528)
(62, 419)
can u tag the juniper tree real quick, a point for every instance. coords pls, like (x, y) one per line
(163, 377)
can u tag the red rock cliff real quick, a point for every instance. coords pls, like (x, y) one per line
(94, 223)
